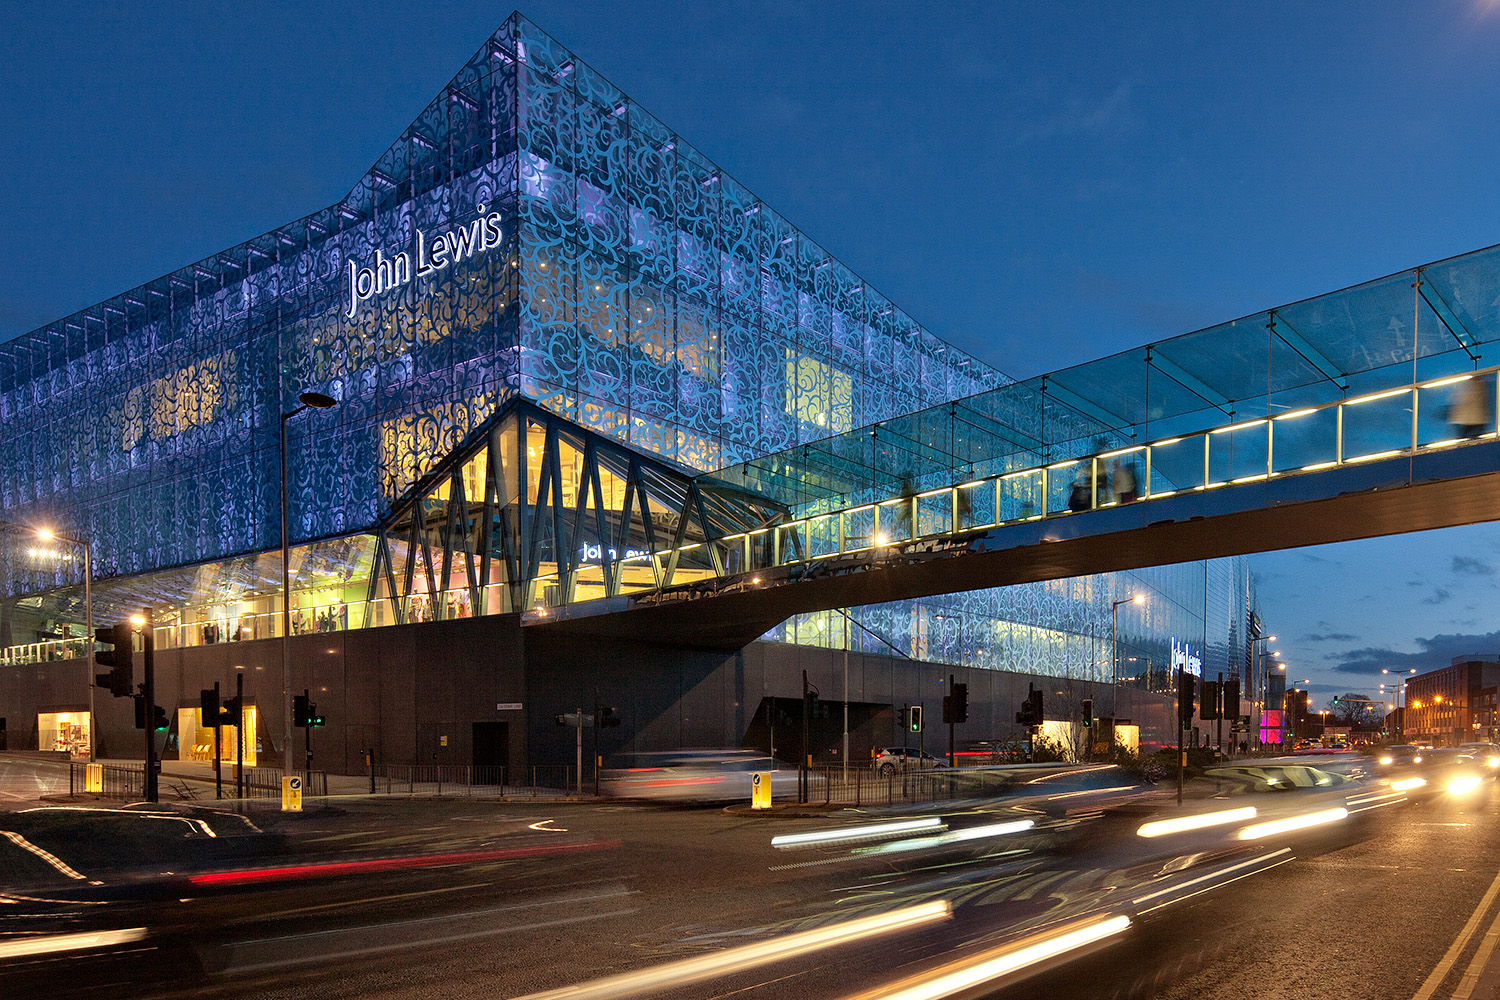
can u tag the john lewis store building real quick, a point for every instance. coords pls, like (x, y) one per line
(546, 321)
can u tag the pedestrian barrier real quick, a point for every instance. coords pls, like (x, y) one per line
(461, 780)
(117, 781)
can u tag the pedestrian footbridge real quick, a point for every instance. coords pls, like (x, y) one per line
(1365, 412)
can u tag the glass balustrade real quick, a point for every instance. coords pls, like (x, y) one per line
(1448, 412)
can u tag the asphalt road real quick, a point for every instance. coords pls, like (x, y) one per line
(453, 899)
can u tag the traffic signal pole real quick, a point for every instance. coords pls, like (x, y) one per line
(952, 708)
(218, 743)
(239, 735)
(148, 689)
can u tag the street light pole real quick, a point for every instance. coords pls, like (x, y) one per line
(1114, 650)
(316, 401)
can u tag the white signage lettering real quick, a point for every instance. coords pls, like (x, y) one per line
(386, 274)
(1184, 658)
(592, 553)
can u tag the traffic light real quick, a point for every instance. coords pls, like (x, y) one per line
(901, 717)
(208, 702)
(231, 714)
(1088, 712)
(916, 718)
(315, 720)
(1036, 706)
(1187, 689)
(140, 710)
(956, 704)
(158, 718)
(1210, 707)
(607, 717)
(301, 711)
(118, 659)
(1231, 696)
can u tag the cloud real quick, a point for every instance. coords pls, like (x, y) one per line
(1472, 566)
(1438, 596)
(1432, 652)
(1329, 637)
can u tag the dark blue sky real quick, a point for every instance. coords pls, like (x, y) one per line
(1038, 183)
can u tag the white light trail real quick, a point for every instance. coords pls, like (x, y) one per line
(731, 960)
(1182, 824)
(852, 833)
(53, 943)
(1292, 823)
(957, 977)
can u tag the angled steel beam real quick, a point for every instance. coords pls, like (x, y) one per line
(1446, 316)
(1288, 335)
(1086, 407)
(1188, 380)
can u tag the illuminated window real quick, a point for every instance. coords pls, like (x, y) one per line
(819, 394)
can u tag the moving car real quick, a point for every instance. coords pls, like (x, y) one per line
(1399, 755)
(693, 776)
(893, 759)
(1487, 754)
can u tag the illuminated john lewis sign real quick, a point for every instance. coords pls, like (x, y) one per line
(1185, 659)
(386, 274)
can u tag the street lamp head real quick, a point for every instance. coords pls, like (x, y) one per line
(45, 533)
(137, 620)
(1138, 599)
(317, 400)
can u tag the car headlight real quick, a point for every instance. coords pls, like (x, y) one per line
(1494, 762)
(1463, 785)
(1387, 760)
(1416, 760)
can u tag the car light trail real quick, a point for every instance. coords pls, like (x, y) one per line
(850, 834)
(731, 960)
(293, 872)
(47, 856)
(963, 975)
(1292, 823)
(1182, 824)
(53, 943)
(950, 837)
(1406, 784)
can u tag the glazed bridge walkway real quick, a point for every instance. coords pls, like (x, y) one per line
(1372, 415)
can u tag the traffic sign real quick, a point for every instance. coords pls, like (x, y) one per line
(291, 794)
(760, 790)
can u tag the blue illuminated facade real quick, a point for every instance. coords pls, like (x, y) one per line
(534, 238)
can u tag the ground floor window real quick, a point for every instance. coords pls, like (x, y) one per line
(70, 731)
(197, 740)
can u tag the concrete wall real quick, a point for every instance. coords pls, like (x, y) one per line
(402, 690)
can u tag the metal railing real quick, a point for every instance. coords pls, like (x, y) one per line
(1408, 420)
(118, 781)
(265, 782)
(458, 780)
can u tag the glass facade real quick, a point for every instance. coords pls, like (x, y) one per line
(545, 318)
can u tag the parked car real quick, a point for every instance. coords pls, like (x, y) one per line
(893, 759)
